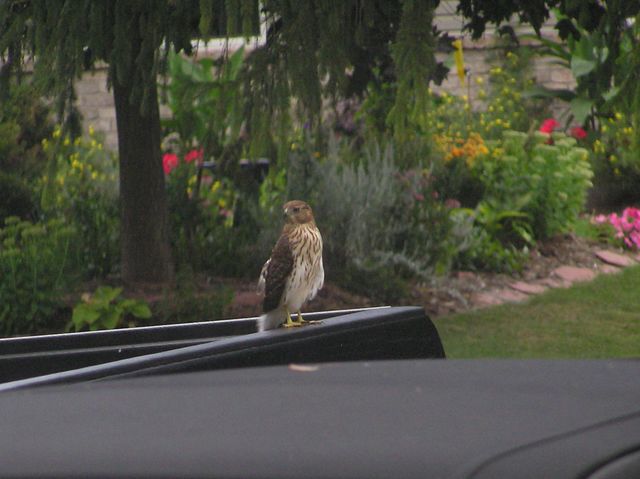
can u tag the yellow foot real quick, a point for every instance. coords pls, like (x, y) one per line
(292, 324)
(289, 323)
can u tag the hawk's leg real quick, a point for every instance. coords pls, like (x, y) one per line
(300, 321)
(289, 323)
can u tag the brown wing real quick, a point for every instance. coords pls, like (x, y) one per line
(278, 270)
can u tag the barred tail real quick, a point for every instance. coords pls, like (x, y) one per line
(271, 320)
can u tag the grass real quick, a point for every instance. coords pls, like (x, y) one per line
(599, 319)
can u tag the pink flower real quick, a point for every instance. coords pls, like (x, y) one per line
(548, 125)
(578, 133)
(452, 203)
(627, 226)
(169, 162)
(418, 196)
(631, 213)
(194, 155)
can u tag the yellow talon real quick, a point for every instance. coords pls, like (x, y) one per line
(289, 323)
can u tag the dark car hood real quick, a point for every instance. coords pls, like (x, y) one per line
(424, 418)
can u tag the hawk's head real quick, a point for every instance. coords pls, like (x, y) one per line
(297, 212)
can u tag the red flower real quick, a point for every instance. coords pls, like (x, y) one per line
(548, 125)
(169, 162)
(194, 155)
(578, 133)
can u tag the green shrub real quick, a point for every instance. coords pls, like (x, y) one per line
(82, 188)
(616, 162)
(547, 182)
(36, 270)
(15, 198)
(210, 227)
(24, 123)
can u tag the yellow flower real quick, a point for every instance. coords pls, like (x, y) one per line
(618, 116)
(57, 133)
(91, 130)
(479, 80)
(598, 147)
(94, 175)
(66, 141)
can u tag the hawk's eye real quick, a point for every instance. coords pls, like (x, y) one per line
(296, 209)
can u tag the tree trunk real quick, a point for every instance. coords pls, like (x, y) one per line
(146, 256)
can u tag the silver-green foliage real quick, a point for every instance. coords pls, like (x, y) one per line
(380, 224)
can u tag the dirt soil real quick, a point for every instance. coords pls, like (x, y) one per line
(456, 292)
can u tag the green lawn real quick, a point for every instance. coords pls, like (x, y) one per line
(600, 319)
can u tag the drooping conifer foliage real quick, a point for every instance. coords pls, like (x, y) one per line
(314, 50)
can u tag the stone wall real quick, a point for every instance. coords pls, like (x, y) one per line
(96, 102)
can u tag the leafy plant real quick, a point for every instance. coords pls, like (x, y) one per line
(547, 182)
(204, 99)
(81, 187)
(587, 55)
(497, 240)
(106, 309)
(36, 270)
(202, 206)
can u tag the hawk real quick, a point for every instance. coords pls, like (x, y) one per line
(294, 273)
